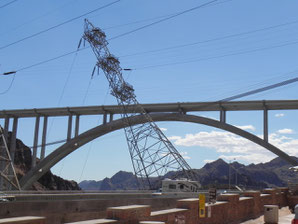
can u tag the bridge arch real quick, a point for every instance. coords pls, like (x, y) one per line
(61, 152)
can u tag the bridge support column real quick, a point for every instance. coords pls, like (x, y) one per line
(223, 116)
(77, 125)
(105, 118)
(111, 117)
(44, 137)
(13, 139)
(35, 141)
(265, 125)
(69, 127)
(6, 127)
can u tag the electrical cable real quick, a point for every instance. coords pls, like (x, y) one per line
(7, 4)
(213, 39)
(121, 35)
(255, 91)
(63, 90)
(10, 85)
(36, 18)
(86, 93)
(59, 101)
(219, 56)
(157, 50)
(276, 85)
(67, 79)
(85, 162)
(58, 25)
(51, 59)
(165, 19)
(154, 18)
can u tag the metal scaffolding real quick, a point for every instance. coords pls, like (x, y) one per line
(152, 154)
(8, 177)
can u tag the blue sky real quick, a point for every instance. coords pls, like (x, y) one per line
(163, 71)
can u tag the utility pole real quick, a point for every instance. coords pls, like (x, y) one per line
(229, 174)
(152, 154)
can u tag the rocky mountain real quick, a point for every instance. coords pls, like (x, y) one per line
(23, 159)
(275, 173)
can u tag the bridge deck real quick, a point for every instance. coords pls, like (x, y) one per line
(154, 108)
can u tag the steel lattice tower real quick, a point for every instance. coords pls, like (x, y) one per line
(152, 154)
(8, 177)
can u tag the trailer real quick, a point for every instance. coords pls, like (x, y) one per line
(180, 185)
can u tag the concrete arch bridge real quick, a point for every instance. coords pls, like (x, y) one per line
(158, 112)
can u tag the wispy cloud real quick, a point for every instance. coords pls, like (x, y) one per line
(279, 115)
(185, 155)
(227, 143)
(209, 160)
(285, 131)
(247, 127)
(163, 129)
(250, 158)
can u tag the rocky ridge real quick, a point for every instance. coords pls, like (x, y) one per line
(275, 173)
(49, 181)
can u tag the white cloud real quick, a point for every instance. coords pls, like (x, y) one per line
(163, 129)
(279, 115)
(285, 131)
(250, 158)
(247, 127)
(184, 155)
(209, 160)
(174, 138)
(245, 150)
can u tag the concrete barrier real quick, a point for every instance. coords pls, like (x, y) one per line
(229, 208)
(24, 220)
(130, 214)
(95, 221)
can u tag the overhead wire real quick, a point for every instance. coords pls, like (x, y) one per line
(121, 35)
(162, 49)
(233, 97)
(259, 84)
(219, 56)
(163, 20)
(58, 25)
(153, 18)
(62, 93)
(37, 18)
(10, 85)
(255, 91)
(213, 39)
(7, 4)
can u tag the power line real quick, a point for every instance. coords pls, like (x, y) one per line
(214, 39)
(165, 19)
(255, 91)
(7, 4)
(174, 63)
(36, 18)
(283, 83)
(10, 85)
(118, 36)
(219, 56)
(51, 59)
(154, 18)
(58, 25)
(266, 82)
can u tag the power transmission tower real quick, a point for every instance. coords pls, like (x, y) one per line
(152, 154)
(8, 177)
